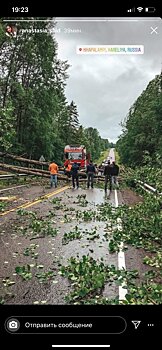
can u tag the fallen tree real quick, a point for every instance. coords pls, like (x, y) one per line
(27, 171)
(26, 160)
(30, 169)
(42, 173)
(21, 159)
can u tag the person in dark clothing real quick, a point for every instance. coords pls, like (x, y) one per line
(108, 175)
(90, 172)
(115, 173)
(100, 169)
(75, 176)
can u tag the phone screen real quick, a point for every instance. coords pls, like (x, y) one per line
(80, 178)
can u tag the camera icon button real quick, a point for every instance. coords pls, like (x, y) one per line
(12, 325)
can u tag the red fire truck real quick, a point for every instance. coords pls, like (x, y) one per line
(76, 154)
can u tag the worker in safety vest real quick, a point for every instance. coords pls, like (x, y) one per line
(68, 169)
(53, 168)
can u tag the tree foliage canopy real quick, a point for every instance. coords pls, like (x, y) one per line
(141, 140)
(36, 117)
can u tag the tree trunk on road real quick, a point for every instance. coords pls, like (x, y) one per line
(22, 170)
(20, 159)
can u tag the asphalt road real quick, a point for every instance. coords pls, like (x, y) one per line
(13, 245)
(112, 155)
(49, 252)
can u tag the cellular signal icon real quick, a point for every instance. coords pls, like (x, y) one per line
(139, 9)
(131, 10)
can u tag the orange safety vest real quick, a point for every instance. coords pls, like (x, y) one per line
(69, 167)
(53, 168)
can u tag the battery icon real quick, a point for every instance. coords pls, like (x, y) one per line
(150, 9)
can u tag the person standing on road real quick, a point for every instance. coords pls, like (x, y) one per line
(91, 171)
(68, 169)
(108, 175)
(75, 176)
(100, 169)
(115, 173)
(53, 168)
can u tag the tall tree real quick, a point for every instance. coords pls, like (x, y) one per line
(36, 117)
(142, 130)
(33, 79)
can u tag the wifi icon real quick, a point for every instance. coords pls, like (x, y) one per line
(140, 9)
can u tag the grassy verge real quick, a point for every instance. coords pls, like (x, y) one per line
(117, 158)
(103, 155)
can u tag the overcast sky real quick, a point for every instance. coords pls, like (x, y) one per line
(105, 86)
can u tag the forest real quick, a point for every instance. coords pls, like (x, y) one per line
(36, 117)
(141, 140)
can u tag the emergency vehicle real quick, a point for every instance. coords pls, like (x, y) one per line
(76, 154)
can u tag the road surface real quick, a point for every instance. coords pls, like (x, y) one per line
(63, 210)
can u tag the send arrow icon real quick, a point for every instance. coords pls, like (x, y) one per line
(136, 324)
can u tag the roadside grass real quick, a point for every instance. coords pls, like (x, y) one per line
(117, 157)
(3, 206)
(103, 155)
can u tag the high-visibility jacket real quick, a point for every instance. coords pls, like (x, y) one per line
(53, 168)
(69, 167)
